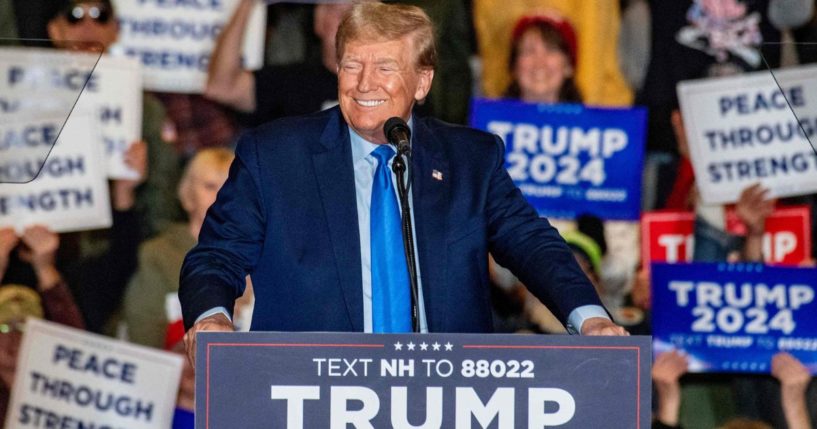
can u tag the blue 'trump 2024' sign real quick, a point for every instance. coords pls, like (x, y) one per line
(569, 159)
(735, 317)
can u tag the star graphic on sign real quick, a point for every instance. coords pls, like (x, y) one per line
(448, 347)
(398, 346)
(423, 346)
(435, 346)
(410, 346)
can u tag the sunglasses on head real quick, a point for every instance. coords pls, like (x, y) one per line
(100, 14)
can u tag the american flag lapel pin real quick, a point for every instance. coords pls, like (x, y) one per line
(437, 174)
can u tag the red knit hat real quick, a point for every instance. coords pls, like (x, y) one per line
(562, 26)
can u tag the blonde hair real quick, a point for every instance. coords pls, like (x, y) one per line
(210, 158)
(378, 21)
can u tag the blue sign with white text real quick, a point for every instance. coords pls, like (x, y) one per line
(339, 380)
(568, 159)
(735, 317)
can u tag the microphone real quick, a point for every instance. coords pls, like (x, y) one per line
(398, 133)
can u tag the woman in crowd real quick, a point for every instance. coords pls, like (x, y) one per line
(542, 64)
(543, 61)
(152, 292)
(160, 259)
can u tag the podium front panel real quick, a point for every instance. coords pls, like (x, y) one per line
(340, 380)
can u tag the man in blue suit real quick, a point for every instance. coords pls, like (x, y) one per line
(300, 212)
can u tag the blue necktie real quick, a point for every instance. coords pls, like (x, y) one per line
(391, 303)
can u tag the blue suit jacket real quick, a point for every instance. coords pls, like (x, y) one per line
(287, 216)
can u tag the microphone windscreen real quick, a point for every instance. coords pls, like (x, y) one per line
(395, 124)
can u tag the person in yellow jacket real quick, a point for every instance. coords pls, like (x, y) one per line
(596, 22)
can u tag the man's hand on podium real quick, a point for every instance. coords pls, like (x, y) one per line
(217, 322)
(602, 326)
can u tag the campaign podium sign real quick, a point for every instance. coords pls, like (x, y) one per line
(735, 317)
(329, 380)
(568, 159)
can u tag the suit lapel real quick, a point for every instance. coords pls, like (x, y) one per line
(430, 174)
(335, 174)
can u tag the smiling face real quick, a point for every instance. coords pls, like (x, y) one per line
(540, 69)
(378, 80)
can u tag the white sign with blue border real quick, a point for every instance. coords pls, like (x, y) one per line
(69, 378)
(175, 39)
(750, 128)
(70, 191)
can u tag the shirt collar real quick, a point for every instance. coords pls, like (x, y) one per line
(361, 148)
